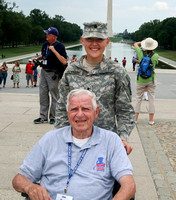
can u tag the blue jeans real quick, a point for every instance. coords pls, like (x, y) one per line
(3, 78)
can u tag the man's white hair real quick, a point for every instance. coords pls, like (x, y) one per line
(81, 91)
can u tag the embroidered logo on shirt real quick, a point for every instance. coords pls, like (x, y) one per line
(100, 165)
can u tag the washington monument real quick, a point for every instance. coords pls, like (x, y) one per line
(109, 18)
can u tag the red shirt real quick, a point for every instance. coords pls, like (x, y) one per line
(28, 68)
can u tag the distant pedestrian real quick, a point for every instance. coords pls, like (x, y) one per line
(146, 83)
(16, 77)
(35, 74)
(3, 74)
(124, 62)
(74, 58)
(29, 73)
(134, 63)
(116, 60)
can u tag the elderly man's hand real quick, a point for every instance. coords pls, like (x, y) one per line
(127, 147)
(37, 192)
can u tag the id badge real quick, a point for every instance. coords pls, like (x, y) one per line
(63, 197)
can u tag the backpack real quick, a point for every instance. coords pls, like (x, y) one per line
(133, 61)
(146, 66)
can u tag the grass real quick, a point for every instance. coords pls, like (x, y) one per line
(115, 39)
(170, 54)
(18, 51)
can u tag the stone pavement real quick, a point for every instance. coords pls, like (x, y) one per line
(159, 144)
(154, 147)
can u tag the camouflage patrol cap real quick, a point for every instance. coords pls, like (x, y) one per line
(95, 29)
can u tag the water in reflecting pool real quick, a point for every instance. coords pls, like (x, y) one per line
(118, 50)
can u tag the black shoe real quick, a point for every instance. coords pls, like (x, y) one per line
(52, 121)
(40, 121)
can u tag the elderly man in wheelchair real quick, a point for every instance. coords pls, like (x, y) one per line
(77, 162)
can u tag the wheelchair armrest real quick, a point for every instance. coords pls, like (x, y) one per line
(24, 194)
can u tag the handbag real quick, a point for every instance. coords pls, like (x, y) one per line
(11, 77)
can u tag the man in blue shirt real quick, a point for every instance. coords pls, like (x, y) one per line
(80, 161)
(54, 60)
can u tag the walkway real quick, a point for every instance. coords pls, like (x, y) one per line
(154, 147)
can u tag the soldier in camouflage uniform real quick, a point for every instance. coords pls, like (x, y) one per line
(106, 78)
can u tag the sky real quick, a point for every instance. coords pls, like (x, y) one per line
(127, 14)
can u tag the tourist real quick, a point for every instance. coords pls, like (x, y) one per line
(3, 74)
(16, 74)
(134, 63)
(35, 74)
(53, 65)
(148, 84)
(124, 61)
(74, 58)
(116, 60)
(29, 73)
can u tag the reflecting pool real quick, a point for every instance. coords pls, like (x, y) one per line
(118, 50)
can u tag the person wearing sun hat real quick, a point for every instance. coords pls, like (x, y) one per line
(147, 46)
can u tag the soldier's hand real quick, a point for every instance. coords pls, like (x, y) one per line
(127, 146)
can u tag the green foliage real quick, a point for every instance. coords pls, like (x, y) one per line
(22, 50)
(163, 31)
(17, 29)
(18, 51)
(115, 39)
(170, 54)
(174, 43)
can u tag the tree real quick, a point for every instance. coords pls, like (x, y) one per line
(16, 29)
(174, 43)
(163, 31)
(169, 27)
(67, 31)
(39, 21)
(39, 18)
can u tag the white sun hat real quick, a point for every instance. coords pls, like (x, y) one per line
(149, 44)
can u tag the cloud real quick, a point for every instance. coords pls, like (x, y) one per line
(157, 6)
(161, 5)
(140, 8)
